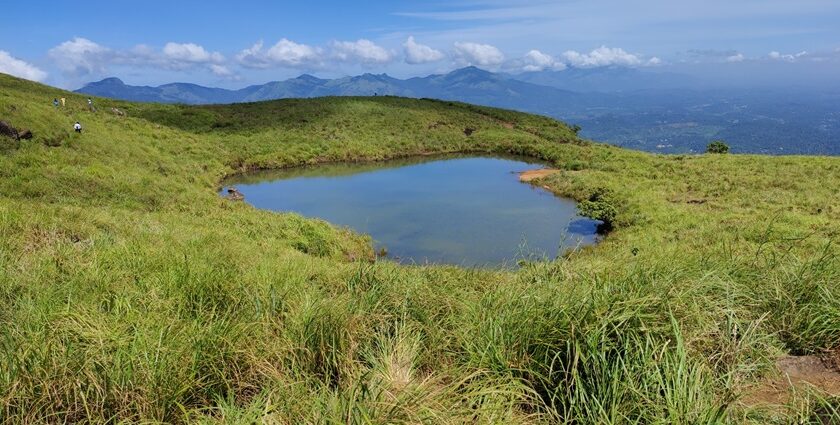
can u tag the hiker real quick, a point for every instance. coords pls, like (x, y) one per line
(77, 127)
(62, 102)
(55, 102)
(90, 105)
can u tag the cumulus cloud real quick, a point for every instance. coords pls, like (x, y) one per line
(184, 54)
(361, 51)
(12, 66)
(786, 57)
(602, 56)
(221, 71)
(416, 53)
(285, 53)
(478, 54)
(536, 60)
(735, 58)
(81, 56)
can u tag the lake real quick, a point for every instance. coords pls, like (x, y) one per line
(470, 211)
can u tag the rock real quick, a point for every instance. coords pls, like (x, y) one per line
(118, 112)
(234, 194)
(25, 134)
(7, 130)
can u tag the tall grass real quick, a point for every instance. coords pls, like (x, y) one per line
(130, 292)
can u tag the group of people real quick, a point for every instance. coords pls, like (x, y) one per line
(77, 127)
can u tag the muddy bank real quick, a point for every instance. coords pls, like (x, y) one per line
(530, 175)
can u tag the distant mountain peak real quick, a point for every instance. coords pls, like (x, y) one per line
(471, 70)
(309, 78)
(109, 81)
(370, 76)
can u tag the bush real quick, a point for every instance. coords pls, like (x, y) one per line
(601, 205)
(718, 146)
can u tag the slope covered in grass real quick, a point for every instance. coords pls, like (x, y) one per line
(129, 291)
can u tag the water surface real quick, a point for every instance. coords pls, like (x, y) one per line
(470, 211)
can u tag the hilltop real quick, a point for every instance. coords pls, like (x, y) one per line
(132, 292)
(649, 111)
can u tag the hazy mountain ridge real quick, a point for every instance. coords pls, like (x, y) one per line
(608, 79)
(467, 82)
(639, 109)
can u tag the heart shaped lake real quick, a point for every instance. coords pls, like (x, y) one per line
(470, 211)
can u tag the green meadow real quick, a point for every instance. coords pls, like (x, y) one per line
(130, 292)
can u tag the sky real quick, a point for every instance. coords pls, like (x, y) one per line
(235, 44)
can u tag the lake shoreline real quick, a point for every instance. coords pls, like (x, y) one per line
(531, 175)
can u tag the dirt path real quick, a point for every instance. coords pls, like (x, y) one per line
(527, 176)
(797, 373)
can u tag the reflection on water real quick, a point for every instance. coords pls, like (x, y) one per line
(457, 210)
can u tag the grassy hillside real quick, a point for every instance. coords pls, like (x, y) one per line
(129, 291)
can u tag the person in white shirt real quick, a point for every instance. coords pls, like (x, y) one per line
(77, 127)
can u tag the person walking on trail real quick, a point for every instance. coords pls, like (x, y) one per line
(55, 102)
(90, 105)
(77, 127)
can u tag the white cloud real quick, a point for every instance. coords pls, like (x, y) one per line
(221, 70)
(654, 61)
(735, 58)
(536, 60)
(184, 54)
(285, 53)
(360, 51)
(478, 54)
(80, 56)
(18, 68)
(602, 56)
(786, 57)
(416, 53)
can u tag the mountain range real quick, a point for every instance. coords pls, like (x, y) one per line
(469, 84)
(639, 109)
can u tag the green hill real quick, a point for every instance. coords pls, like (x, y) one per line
(129, 291)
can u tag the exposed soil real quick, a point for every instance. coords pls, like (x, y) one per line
(530, 175)
(821, 372)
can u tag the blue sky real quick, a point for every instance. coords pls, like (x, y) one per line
(233, 44)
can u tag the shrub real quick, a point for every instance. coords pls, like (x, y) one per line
(601, 205)
(717, 146)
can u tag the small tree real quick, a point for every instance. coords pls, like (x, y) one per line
(717, 146)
